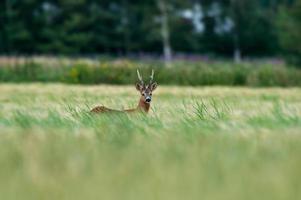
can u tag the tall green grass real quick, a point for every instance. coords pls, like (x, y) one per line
(196, 143)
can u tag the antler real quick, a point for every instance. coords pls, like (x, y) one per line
(152, 76)
(139, 76)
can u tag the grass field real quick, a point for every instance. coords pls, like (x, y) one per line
(197, 143)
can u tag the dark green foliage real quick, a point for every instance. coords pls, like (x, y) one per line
(289, 25)
(183, 73)
(121, 27)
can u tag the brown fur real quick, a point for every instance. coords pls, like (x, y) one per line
(143, 106)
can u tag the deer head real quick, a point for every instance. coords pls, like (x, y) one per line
(146, 89)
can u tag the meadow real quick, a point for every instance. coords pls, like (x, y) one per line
(206, 143)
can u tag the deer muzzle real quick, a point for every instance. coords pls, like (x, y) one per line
(148, 99)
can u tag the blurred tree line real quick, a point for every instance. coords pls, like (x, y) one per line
(121, 27)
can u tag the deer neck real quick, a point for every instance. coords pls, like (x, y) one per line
(143, 106)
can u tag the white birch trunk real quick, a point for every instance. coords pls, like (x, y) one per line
(165, 32)
(237, 51)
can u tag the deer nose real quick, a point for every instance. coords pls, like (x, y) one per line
(148, 99)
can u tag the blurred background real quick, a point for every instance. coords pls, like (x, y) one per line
(208, 35)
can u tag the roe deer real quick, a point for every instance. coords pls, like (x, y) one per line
(144, 101)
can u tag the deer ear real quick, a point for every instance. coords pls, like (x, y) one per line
(154, 86)
(139, 86)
